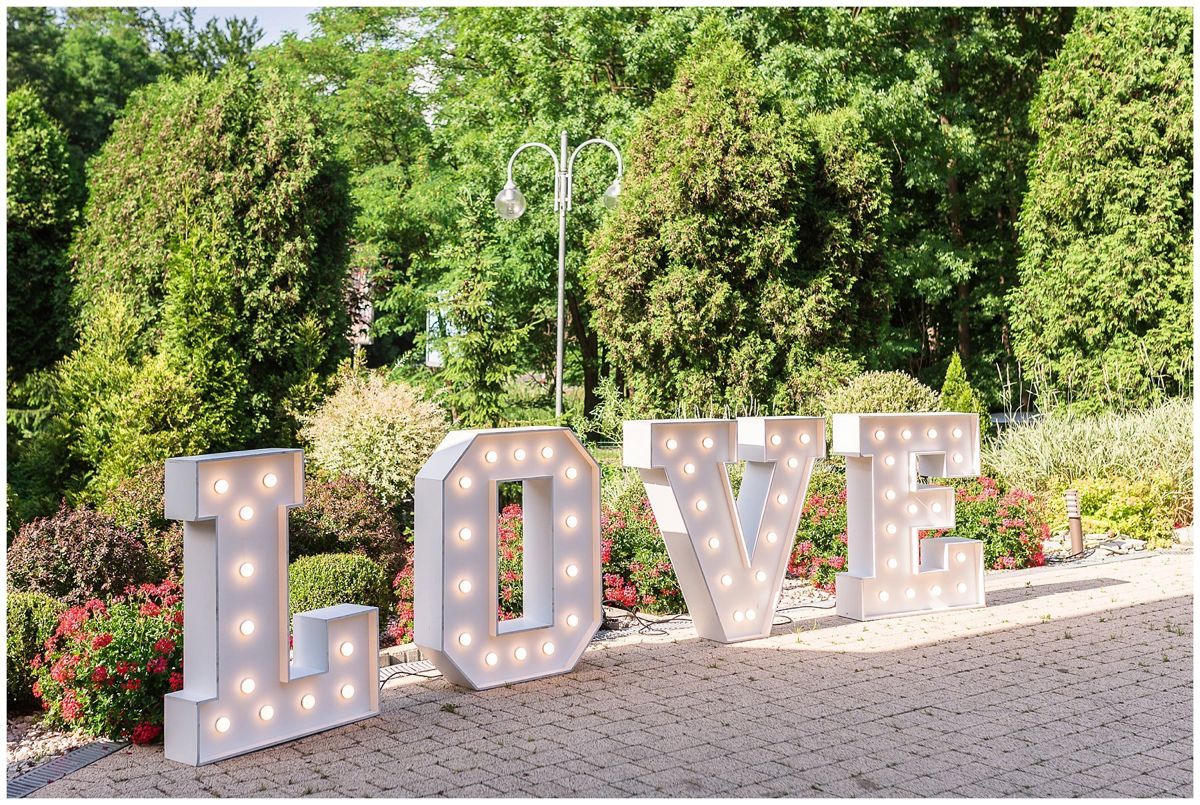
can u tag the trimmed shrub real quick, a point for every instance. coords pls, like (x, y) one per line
(107, 667)
(338, 578)
(76, 555)
(378, 431)
(32, 619)
(345, 515)
(136, 504)
(958, 395)
(881, 393)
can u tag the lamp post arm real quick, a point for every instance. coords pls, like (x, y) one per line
(571, 164)
(559, 184)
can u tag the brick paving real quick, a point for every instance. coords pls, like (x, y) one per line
(1072, 682)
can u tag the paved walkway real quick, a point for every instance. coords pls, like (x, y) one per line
(1072, 682)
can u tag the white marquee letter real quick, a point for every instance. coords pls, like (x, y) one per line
(240, 691)
(889, 573)
(729, 560)
(456, 588)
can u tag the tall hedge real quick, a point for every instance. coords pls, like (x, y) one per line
(209, 274)
(736, 270)
(1105, 302)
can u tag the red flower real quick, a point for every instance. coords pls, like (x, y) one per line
(145, 733)
(100, 675)
(132, 684)
(176, 681)
(37, 690)
(102, 640)
(157, 666)
(71, 709)
(164, 645)
(150, 610)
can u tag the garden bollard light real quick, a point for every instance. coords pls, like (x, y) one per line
(1074, 521)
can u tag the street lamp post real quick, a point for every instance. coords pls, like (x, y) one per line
(510, 204)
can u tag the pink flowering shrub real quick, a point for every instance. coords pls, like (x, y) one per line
(637, 572)
(510, 561)
(107, 666)
(400, 630)
(820, 550)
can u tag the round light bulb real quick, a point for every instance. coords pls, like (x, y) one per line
(883, 596)
(912, 508)
(707, 442)
(906, 434)
(960, 556)
(266, 712)
(246, 512)
(346, 648)
(491, 658)
(491, 456)
(612, 195)
(688, 469)
(957, 458)
(962, 588)
(547, 452)
(347, 691)
(738, 616)
(246, 570)
(931, 433)
(892, 563)
(672, 444)
(890, 528)
(776, 439)
(935, 508)
(465, 482)
(714, 543)
(805, 438)
(547, 648)
(890, 494)
(889, 460)
(510, 202)
(520, 653)
(572, 521)
(221, 486)
(572, 620)
(308, 701)
(222, 724)
(935, 591)
(793, 463)
(247, 686)
(957, 433)
(246, 628)
(781, 499)
(760, 576)
(464, 639)
(270, 480)
(910, 593)
(571, 473)
(701, 505)
(726, 580)
(464, 586)
(519, 454)
(880, 435)
(772, 537)
(464, 534)
(751, 614)
(572, 571)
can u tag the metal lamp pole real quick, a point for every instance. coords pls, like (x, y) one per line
(510, 204)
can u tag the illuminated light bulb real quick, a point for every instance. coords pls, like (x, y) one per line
(547, 452)
(883, 596)
(890, 494)
(347, 691)
(247, 686)
(793, 463)
(910, 593)
(889, 460)
(520, 653)
(760, 576)
(689, 468)
(707, 442)
(962, 588)
(510, 202)
(957, 458)
(772, 536)
(935, 591)
(246, 570)
(221, 486)
(751, 614)
(805, 438)
(571, 473)
(346, 648)
(932, 433)
(547, 648)
(880, 435)
(491, 456)
(246, 628)
(246, 512)
(960, 556)
(672, 444)
(775, 439)
(957, 433)
(912, 508)
(464, 586)
(464, 534)
(465, 482)
(701, 505)
(464, 639)
(308, 701)
(266, 712)
(491, 658)
(572, 571)
(726, 580)
(519, 454)
(781, 498)
(906, 434)
(270, 480)
(572, 620)
(890, 528)
(714, 543)
(738, 616)
(222, 724)
(935, 508)
(572, 521)
(892, 563)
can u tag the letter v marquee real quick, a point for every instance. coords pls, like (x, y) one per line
(729, 558)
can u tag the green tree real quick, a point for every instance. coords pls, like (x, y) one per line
(958, 395)
(742, 255)
(1105, 303)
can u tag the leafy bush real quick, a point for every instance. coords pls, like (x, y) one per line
(107, 667)
(400, 629)
(510, 561)
(637, 572)
(76, 555)
(958, 395)
(378, 431)
(338, 578)
(881, 393)
(819, 553)
(136, 504)
(32, 619)
(1138, 509)
(345, 515)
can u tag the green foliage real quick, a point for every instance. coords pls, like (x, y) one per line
(737, 255)
(76, 555)
(881, 393)
(1105, 300)
(342, 514)
(136, 504)
(107, 667)
(1139, 509)
(378, 431)
(327, 579)
(32, 619)
(42, 197)
(959, 396)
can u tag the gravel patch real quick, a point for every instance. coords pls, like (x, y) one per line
(31, 744)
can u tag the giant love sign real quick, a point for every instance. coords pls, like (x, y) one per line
(243, 690)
